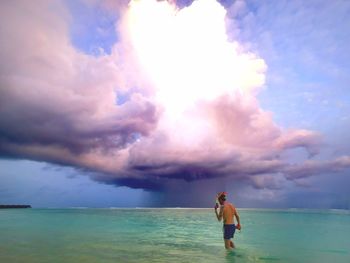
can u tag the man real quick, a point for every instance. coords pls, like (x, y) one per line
(227, 213)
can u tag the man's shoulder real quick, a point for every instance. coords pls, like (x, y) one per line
(227, 204)
(231, 205)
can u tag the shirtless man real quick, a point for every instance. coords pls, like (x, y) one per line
(227, 213)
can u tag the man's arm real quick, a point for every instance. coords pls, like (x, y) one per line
(238, 221)
(219, 215)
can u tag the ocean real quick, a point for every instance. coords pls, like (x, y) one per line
(172, 235)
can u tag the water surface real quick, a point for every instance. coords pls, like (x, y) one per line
(171, 235)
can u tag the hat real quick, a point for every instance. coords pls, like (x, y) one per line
(221, 195)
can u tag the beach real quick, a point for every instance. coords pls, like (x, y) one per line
(172, 235)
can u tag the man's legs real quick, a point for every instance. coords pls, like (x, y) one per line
(228, 244)
(229, 231)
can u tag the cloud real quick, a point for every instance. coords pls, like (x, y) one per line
(267, 181)
(190, 112)
(57, 103)
(311, 141)
(109, 5)
(312, 167)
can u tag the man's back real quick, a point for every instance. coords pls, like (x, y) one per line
(228, 213)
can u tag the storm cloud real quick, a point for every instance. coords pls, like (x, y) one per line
(158, 108)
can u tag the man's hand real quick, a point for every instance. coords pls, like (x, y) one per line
(216, 206)
(238, 226)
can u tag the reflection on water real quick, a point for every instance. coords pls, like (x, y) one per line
(239, 255)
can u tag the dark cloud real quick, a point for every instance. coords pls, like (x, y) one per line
(137, 183)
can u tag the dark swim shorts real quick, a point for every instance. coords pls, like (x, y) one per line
(229, 231)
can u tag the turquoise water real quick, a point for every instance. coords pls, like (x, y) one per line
(171, 235)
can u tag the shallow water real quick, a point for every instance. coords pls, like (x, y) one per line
(171, 235)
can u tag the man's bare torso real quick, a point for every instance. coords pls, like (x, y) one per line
(228, 213)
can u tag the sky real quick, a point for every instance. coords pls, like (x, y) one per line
(145, 103)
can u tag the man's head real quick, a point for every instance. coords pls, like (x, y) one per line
(222, 197)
